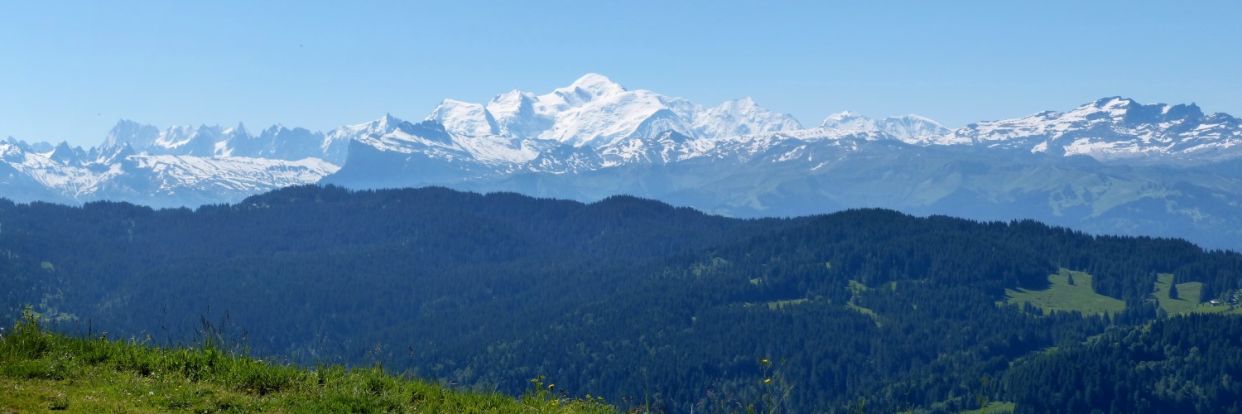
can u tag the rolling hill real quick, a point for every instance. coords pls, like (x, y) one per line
(633, 300)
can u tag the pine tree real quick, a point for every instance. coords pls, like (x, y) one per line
(1173, 291)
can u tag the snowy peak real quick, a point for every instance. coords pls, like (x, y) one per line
(383, 125)
(67, 155)
(105, 155)
(155, 176)
(1132, 113)
(238, 131)
(595, 111)
(276, 142)
(515, 115)
(590, 125)
(911, 129)
(1121, 112)
(742, 117)
(392, 134)
(741, 105)
(134, 134)
(203, 141)
(1115, 128)
(464, 118)
(386, 123)
(11, 152)
(850, 122)
(279, 142)
(590, 86)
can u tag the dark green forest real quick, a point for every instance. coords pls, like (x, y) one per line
(643, 303)
(1189, 364)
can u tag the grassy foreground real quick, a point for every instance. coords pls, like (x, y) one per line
(42, 371)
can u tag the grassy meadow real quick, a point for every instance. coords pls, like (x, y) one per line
(1067, 291)
(42, 372)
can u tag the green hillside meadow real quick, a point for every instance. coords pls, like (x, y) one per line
(44, 372)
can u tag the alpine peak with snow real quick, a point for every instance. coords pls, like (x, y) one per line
(1109, 166)
(596, 112)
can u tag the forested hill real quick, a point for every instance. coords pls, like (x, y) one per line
(630, 299)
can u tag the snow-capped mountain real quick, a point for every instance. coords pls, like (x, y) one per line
(275, 142)
(595, 111)
(70, 174)
(911, 129)
(1114, 129)
(1160, 169)
(590, 124)
(136, 135)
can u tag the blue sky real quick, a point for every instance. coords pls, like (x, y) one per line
(69, 70)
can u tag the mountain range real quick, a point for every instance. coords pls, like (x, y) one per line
(1113, 165)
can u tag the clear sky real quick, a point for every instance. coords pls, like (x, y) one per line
(69, 70)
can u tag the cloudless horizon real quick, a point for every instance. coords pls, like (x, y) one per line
(72, 69)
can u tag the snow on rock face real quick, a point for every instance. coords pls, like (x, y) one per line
(275, 142)
(742, 117)
(609, 118)
(188, 140)
(514, 114)
(71, 180)
(849, 122)
(279, 142)
(911, 129)
(433, 139)
(115, 170)
(595, 111)
(591, 124)
(464, 118)
(592, 112)
(127, 132)
(1113, 128)
(587, 88)
(174, 172)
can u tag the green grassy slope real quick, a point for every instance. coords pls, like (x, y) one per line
(993, 408)
(1188, 295)
(1063, 296)
(857, 288)
(40, 372)
(1188, 300)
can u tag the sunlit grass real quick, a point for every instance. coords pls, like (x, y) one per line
(1061, 295)
(858, 288)
(41, 371)
(1188, 295)
(993, 408)
(1189, 298)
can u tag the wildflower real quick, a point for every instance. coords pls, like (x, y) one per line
(767, 380)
